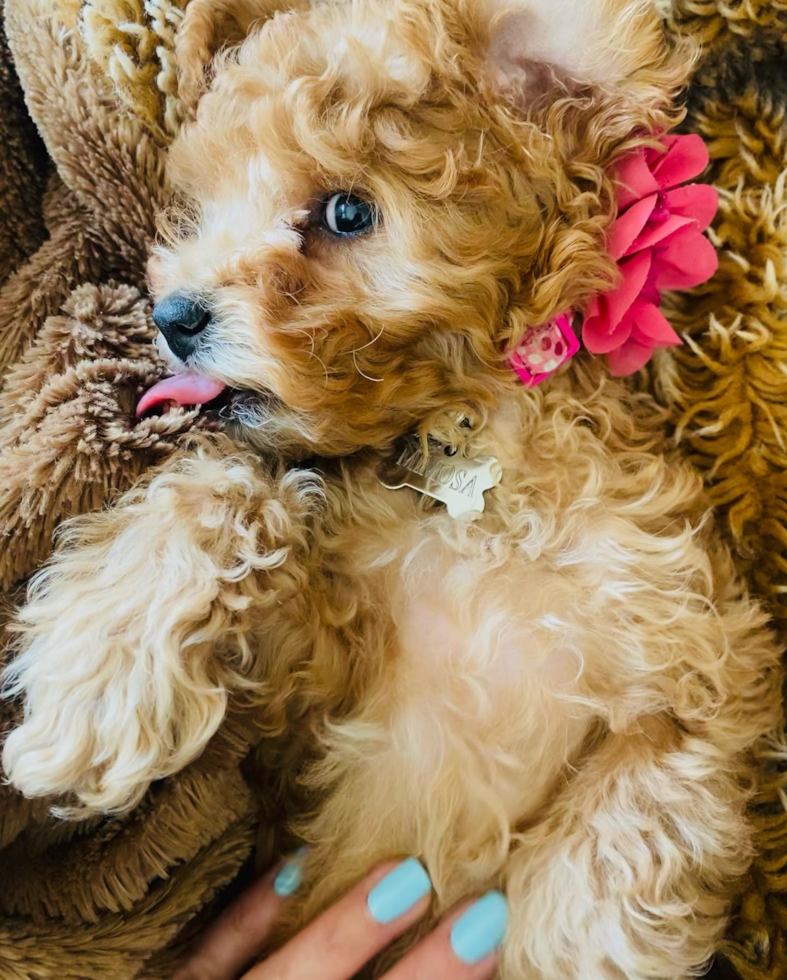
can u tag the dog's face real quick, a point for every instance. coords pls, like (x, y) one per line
(383, 195)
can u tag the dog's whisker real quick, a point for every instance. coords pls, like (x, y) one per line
(374, 340)
(362, 374)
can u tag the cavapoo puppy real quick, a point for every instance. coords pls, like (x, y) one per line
(547, 680)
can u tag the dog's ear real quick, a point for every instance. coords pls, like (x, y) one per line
(208, 26)
(536, 46)
(596, 76)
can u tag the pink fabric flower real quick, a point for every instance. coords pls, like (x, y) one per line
(658, 242)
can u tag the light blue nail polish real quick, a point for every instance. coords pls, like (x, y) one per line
(480, 930)
(288, 880)
(398, 891)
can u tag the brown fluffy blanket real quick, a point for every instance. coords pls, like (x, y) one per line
(114, 898)
(102, 898)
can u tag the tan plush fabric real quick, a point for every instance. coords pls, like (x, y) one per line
(22, 172)
(728, 385)
(109, 898)
(133, 43)
(731, 389)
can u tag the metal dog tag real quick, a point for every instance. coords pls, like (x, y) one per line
(456, 481)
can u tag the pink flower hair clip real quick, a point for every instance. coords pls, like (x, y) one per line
(658, 243)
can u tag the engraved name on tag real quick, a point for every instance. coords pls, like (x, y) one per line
(457, 481)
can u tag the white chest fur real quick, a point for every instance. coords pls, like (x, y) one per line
(503, 650)
(476, 711)
(486, 669)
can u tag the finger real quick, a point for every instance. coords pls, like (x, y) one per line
(337, 944)
(461, 948)
(238, 935)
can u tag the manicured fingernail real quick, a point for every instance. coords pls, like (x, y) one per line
(398, 891)
(288, 880)
(480, 930)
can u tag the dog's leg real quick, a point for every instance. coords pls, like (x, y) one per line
(629, 875)
(148, 615)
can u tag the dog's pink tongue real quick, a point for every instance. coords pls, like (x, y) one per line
(182, 389)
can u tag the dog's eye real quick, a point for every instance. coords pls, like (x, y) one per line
(345, 214)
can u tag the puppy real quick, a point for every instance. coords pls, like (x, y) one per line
(558, 697)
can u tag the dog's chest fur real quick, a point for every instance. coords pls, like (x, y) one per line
(475, 653)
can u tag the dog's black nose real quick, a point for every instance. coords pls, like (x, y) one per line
(182, 319)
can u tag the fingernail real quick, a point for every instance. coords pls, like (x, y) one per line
(398, 891)
(288, 880)
(481, 929)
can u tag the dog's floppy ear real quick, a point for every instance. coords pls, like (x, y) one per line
(210, 25)
(535, 46)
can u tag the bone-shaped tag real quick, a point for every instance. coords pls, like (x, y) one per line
(456, 481)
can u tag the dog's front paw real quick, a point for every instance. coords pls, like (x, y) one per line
(116, 666)
(140, 626)
(105, 716)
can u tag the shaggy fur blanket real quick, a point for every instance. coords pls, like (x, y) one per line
(117, 897)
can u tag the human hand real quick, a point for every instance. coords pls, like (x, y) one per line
(345, 937)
